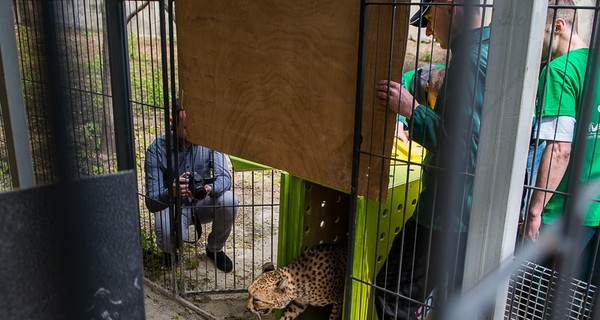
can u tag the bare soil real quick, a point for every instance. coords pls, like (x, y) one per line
(160, 305)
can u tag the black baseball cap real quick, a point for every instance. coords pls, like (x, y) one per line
(418, 19)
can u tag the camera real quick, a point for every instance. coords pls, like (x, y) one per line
(196, 184)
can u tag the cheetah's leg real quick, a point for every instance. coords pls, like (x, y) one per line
(293, 310)
(336, 312)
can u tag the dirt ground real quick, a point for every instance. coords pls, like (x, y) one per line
(160, 305)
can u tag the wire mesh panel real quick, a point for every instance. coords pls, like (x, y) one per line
(253, 239)
(147, 59)
(31, 58)
(85, 64)
(5, 178)
(252, 242)
(533, 295)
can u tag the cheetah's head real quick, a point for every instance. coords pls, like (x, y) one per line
(273, 289)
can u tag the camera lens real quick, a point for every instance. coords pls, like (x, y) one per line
(196, 184)
(199, 192)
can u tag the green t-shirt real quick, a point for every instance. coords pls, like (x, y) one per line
(563, 95)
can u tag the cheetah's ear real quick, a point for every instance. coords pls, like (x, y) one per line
(268, 266)
(281, 285)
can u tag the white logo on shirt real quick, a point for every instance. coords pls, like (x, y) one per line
(593, 128)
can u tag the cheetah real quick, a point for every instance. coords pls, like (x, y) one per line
(315, 278)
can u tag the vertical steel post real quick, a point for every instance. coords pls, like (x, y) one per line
(121, 87)
(516, 41)
(14, 116)
(358, 111)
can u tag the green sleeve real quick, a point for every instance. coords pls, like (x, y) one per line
(425, 123)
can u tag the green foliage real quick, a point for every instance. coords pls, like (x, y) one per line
(425, 56)
(152, 257)
(153, 87)
(94, 79)
(132, 45)
(5, 178)
(98, 170)
(190, 264)
(91, 132)
(146, 77)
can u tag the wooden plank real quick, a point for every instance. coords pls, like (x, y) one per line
(275, 82)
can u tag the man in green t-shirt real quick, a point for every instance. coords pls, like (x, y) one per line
(559, 98)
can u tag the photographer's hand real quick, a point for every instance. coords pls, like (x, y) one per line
(183, 185)
(208, 189)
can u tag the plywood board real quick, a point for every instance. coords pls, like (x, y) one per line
(275, 82)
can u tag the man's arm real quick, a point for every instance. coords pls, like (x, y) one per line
(424, 127)
(553, 166)
(425, 121)
(221, 173)
(157, 193)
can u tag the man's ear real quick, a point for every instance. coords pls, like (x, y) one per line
(559, 25)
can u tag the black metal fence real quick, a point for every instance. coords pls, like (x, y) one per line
(151, 55)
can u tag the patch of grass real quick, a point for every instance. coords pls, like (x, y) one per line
(5, 178)
(425, 56)
(146, 77)
(152, 257)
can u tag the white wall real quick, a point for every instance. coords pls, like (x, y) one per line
(586, 19)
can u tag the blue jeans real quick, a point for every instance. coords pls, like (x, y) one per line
(533, 163)
(221, 212)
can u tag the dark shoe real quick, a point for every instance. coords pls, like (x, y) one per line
(167, 259)
(221, 260)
